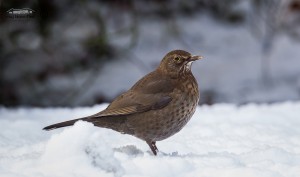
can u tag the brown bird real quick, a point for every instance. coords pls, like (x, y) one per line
(156, 107)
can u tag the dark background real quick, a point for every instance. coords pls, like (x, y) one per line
(80, 53)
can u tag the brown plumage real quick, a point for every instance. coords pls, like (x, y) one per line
(156, 107)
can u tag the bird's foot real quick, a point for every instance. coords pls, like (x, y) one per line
(153, 147)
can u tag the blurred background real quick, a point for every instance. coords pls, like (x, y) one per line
(81, 53)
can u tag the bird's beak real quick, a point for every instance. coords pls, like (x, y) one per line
(195, 57)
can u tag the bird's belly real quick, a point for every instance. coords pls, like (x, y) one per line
(156, 125)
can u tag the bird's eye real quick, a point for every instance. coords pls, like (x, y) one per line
(177, 59)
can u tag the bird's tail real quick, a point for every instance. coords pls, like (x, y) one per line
(116, 123)
(62, 124)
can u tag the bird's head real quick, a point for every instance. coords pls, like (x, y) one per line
(177, 62)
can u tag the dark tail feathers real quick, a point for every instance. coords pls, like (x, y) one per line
(62, 124)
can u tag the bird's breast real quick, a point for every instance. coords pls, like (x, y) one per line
(175, 116)
(156, 125)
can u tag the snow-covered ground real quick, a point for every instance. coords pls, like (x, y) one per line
(220, 140)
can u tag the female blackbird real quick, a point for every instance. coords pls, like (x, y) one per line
(156, 107)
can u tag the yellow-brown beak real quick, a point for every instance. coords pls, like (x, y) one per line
(194, 58)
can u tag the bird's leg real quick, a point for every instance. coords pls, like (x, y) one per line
(152, 146)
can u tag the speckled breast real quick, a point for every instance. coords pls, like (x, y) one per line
(160, 124)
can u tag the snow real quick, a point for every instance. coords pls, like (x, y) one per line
(221, 140)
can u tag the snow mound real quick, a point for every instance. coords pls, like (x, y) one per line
(220, 140)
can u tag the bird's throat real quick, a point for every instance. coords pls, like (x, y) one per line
(186, 69)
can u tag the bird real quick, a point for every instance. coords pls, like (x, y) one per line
(156, 107)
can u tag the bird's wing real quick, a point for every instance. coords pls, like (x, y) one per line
(146, 95)
(136, 107)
